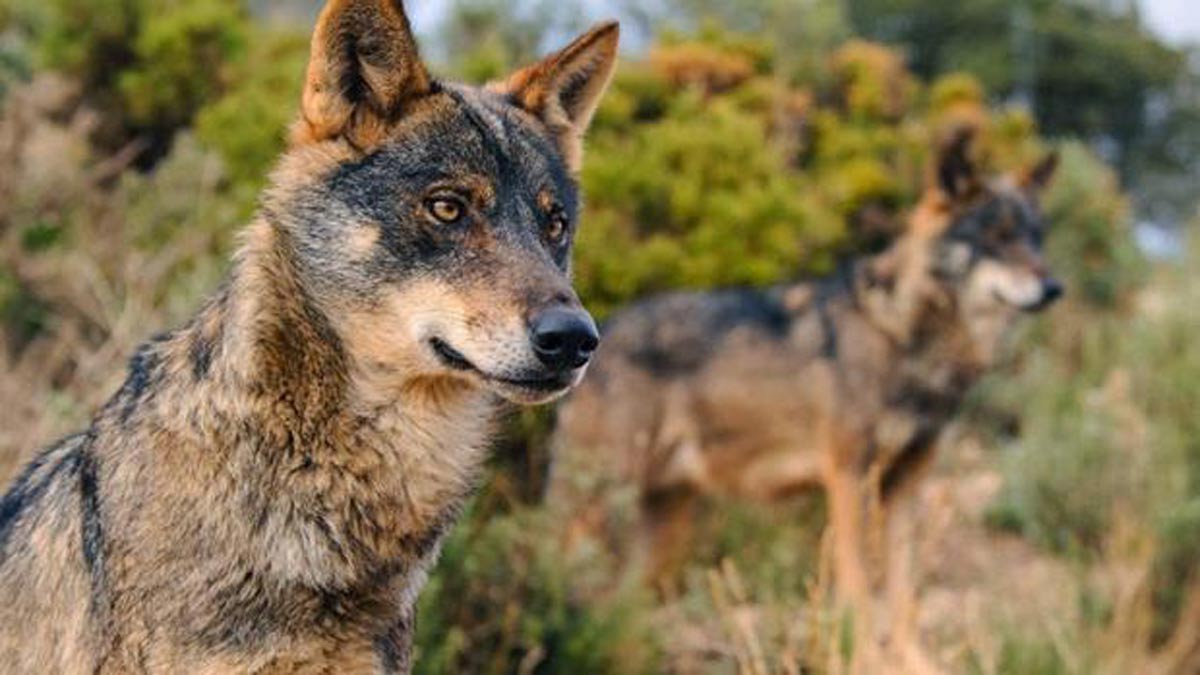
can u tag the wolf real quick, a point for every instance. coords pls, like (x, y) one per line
(838, 384)
(268, 489)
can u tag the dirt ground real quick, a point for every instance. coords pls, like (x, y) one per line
(979, 586)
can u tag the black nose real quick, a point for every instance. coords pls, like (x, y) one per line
(1052, 289)
(564, 339)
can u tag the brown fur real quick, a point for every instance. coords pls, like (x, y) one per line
(268, 490)
(840, 385)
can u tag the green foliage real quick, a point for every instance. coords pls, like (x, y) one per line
(22, 313)
(148, 65)
(707, 201)
(1030, 657)
(776, 546)
(1092, 242)
(1090, 70)
(1108, 407)
(873, 80)
(504, 600)
(1072, 48)
(180, 60)
(247, 124)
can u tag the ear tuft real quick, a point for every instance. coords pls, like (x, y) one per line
(565, 89)
(957, 176)
(363, 71)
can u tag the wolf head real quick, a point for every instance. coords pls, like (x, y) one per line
(973, 248)
(432, 223)
(991, 247)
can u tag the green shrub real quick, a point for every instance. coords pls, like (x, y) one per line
(248, 124)
(147, 65)
(1108, 434)
(1092, 243)
(704, 201)
(506, 599)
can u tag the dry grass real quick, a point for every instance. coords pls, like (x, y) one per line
(84, 278)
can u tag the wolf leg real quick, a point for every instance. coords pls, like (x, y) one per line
(902, 602)
(852, 580)
(895, 515)
(666, 536)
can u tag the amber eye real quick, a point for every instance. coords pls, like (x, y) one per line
(557, 227)
(448, 210)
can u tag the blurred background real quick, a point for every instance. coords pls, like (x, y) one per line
(744, 142)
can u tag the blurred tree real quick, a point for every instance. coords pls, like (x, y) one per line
(247, 124)
(485, 39)
(147, 65)
(801, 32)
(1087, 69)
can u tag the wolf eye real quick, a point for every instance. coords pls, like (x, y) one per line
(557, 226)
(448, 210)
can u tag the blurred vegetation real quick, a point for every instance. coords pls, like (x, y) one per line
(1087, 68)
(752, 141)
(1109, 434)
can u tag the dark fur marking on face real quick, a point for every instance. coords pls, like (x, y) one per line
(479, 140)
(491, 144)
(512, 176)
(993, 226)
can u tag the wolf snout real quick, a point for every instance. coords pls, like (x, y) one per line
(1052, 290)
(564, 339)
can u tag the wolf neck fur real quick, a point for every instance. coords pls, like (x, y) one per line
(919, 319)
(384, 477)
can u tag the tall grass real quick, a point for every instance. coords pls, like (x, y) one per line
(1106, 470)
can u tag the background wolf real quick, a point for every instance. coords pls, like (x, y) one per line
(842, 383)
(267, 490)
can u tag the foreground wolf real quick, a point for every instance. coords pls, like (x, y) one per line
(269, 487)
(841, 384)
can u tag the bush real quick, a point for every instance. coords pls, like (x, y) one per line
(1108, 435)
(248, 124)
(147, 65)
(1092, 243)
(707, 203)
(505, 600)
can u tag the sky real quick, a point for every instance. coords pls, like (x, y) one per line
(1175, 20)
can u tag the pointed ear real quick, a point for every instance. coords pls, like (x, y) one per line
(564, 89)
(1038, 178)
(956, 175)
(363, 71)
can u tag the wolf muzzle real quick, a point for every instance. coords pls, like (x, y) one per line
(564, 339)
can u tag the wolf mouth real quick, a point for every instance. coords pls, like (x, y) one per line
(1027, 308)
(454, 359)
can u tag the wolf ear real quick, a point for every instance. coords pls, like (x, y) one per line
(363, 71)
(1039, 177)
(564, 89)
(956, 174)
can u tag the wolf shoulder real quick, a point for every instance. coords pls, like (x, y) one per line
(43, 566)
